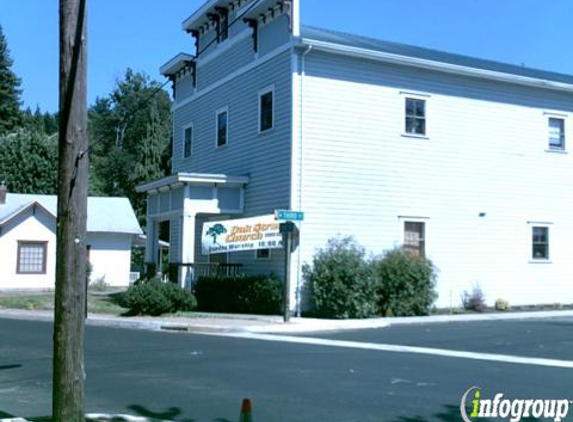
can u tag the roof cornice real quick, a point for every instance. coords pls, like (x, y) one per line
(434, 65)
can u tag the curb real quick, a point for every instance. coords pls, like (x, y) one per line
(102, 417)
(251, 324)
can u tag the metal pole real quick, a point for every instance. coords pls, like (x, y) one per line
(286, 300)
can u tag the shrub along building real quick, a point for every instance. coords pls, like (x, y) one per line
(463, 160)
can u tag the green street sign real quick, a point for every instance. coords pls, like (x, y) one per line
(287, 215)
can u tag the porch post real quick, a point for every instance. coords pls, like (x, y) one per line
(152, 247)
(187, 249)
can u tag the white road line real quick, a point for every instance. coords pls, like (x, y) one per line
(556, 363)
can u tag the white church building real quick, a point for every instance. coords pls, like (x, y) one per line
(464, 160)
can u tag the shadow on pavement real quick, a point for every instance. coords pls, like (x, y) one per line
(170, 414)
(3, 367)
(450, 414)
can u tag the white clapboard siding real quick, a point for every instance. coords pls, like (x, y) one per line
(485, 153)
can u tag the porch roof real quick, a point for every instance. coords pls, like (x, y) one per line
(197, 179)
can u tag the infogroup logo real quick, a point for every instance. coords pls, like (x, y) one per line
(512, 410)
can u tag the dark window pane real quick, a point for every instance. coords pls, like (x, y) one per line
(409, 107)
(540, 251)
(420, 108)
(222, 129)
(188, 142)
(266, 122)
(420, 126)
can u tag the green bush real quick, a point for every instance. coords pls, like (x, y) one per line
(155, 298)
(244, 294)
(405, 284)
(340, 281)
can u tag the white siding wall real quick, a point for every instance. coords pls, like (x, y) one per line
(485, 153)
(27, 227)
(110, 256)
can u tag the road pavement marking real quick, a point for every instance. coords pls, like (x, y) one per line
(556, 363)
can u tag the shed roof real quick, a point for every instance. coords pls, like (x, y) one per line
(105, 215)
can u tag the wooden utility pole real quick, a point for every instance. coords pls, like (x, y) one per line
(68, 364)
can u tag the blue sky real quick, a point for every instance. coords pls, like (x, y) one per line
(144, 34)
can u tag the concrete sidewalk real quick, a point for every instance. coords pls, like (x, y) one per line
(205, 322)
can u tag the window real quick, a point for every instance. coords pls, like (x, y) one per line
(556, 133)
(263, 254)
(31, 257)
(540, 243)
(415, 116)
(266, 111)
(414, 238)
(222, 127)
(187, 141)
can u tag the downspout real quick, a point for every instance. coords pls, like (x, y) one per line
(301, 154)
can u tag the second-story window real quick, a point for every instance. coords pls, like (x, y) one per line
(222, 127)
(187, 141)
(266, 110)
(415, 116)
(556, 128)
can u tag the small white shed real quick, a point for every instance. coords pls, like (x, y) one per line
(28, 240)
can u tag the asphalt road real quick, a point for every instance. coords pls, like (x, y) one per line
(192, 377)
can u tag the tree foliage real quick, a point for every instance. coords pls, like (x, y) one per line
(10, 114)
(29, 162)
(130, 138)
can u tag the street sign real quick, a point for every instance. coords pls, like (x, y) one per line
(287, 227)
(287, 215)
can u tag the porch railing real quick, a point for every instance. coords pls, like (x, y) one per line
(213, 270)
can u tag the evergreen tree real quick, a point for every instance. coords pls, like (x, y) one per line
(10, 115)
(29, 162)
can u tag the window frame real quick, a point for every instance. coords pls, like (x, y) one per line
(421, 251)
(261, 94)
(563, 136)
(185, 129)
(24, 243)
(217, 114)
(415, 96)
(533, 243)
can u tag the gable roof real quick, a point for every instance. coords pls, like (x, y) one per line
(105, 215)
(425, 57)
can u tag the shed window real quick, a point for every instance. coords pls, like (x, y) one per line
(415, 116)
(32, 257)
(414, 238)
(556, 133)
(540, 242)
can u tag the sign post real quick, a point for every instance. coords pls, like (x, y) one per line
(287, 228)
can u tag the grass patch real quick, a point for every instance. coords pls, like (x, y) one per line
(97, 304)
